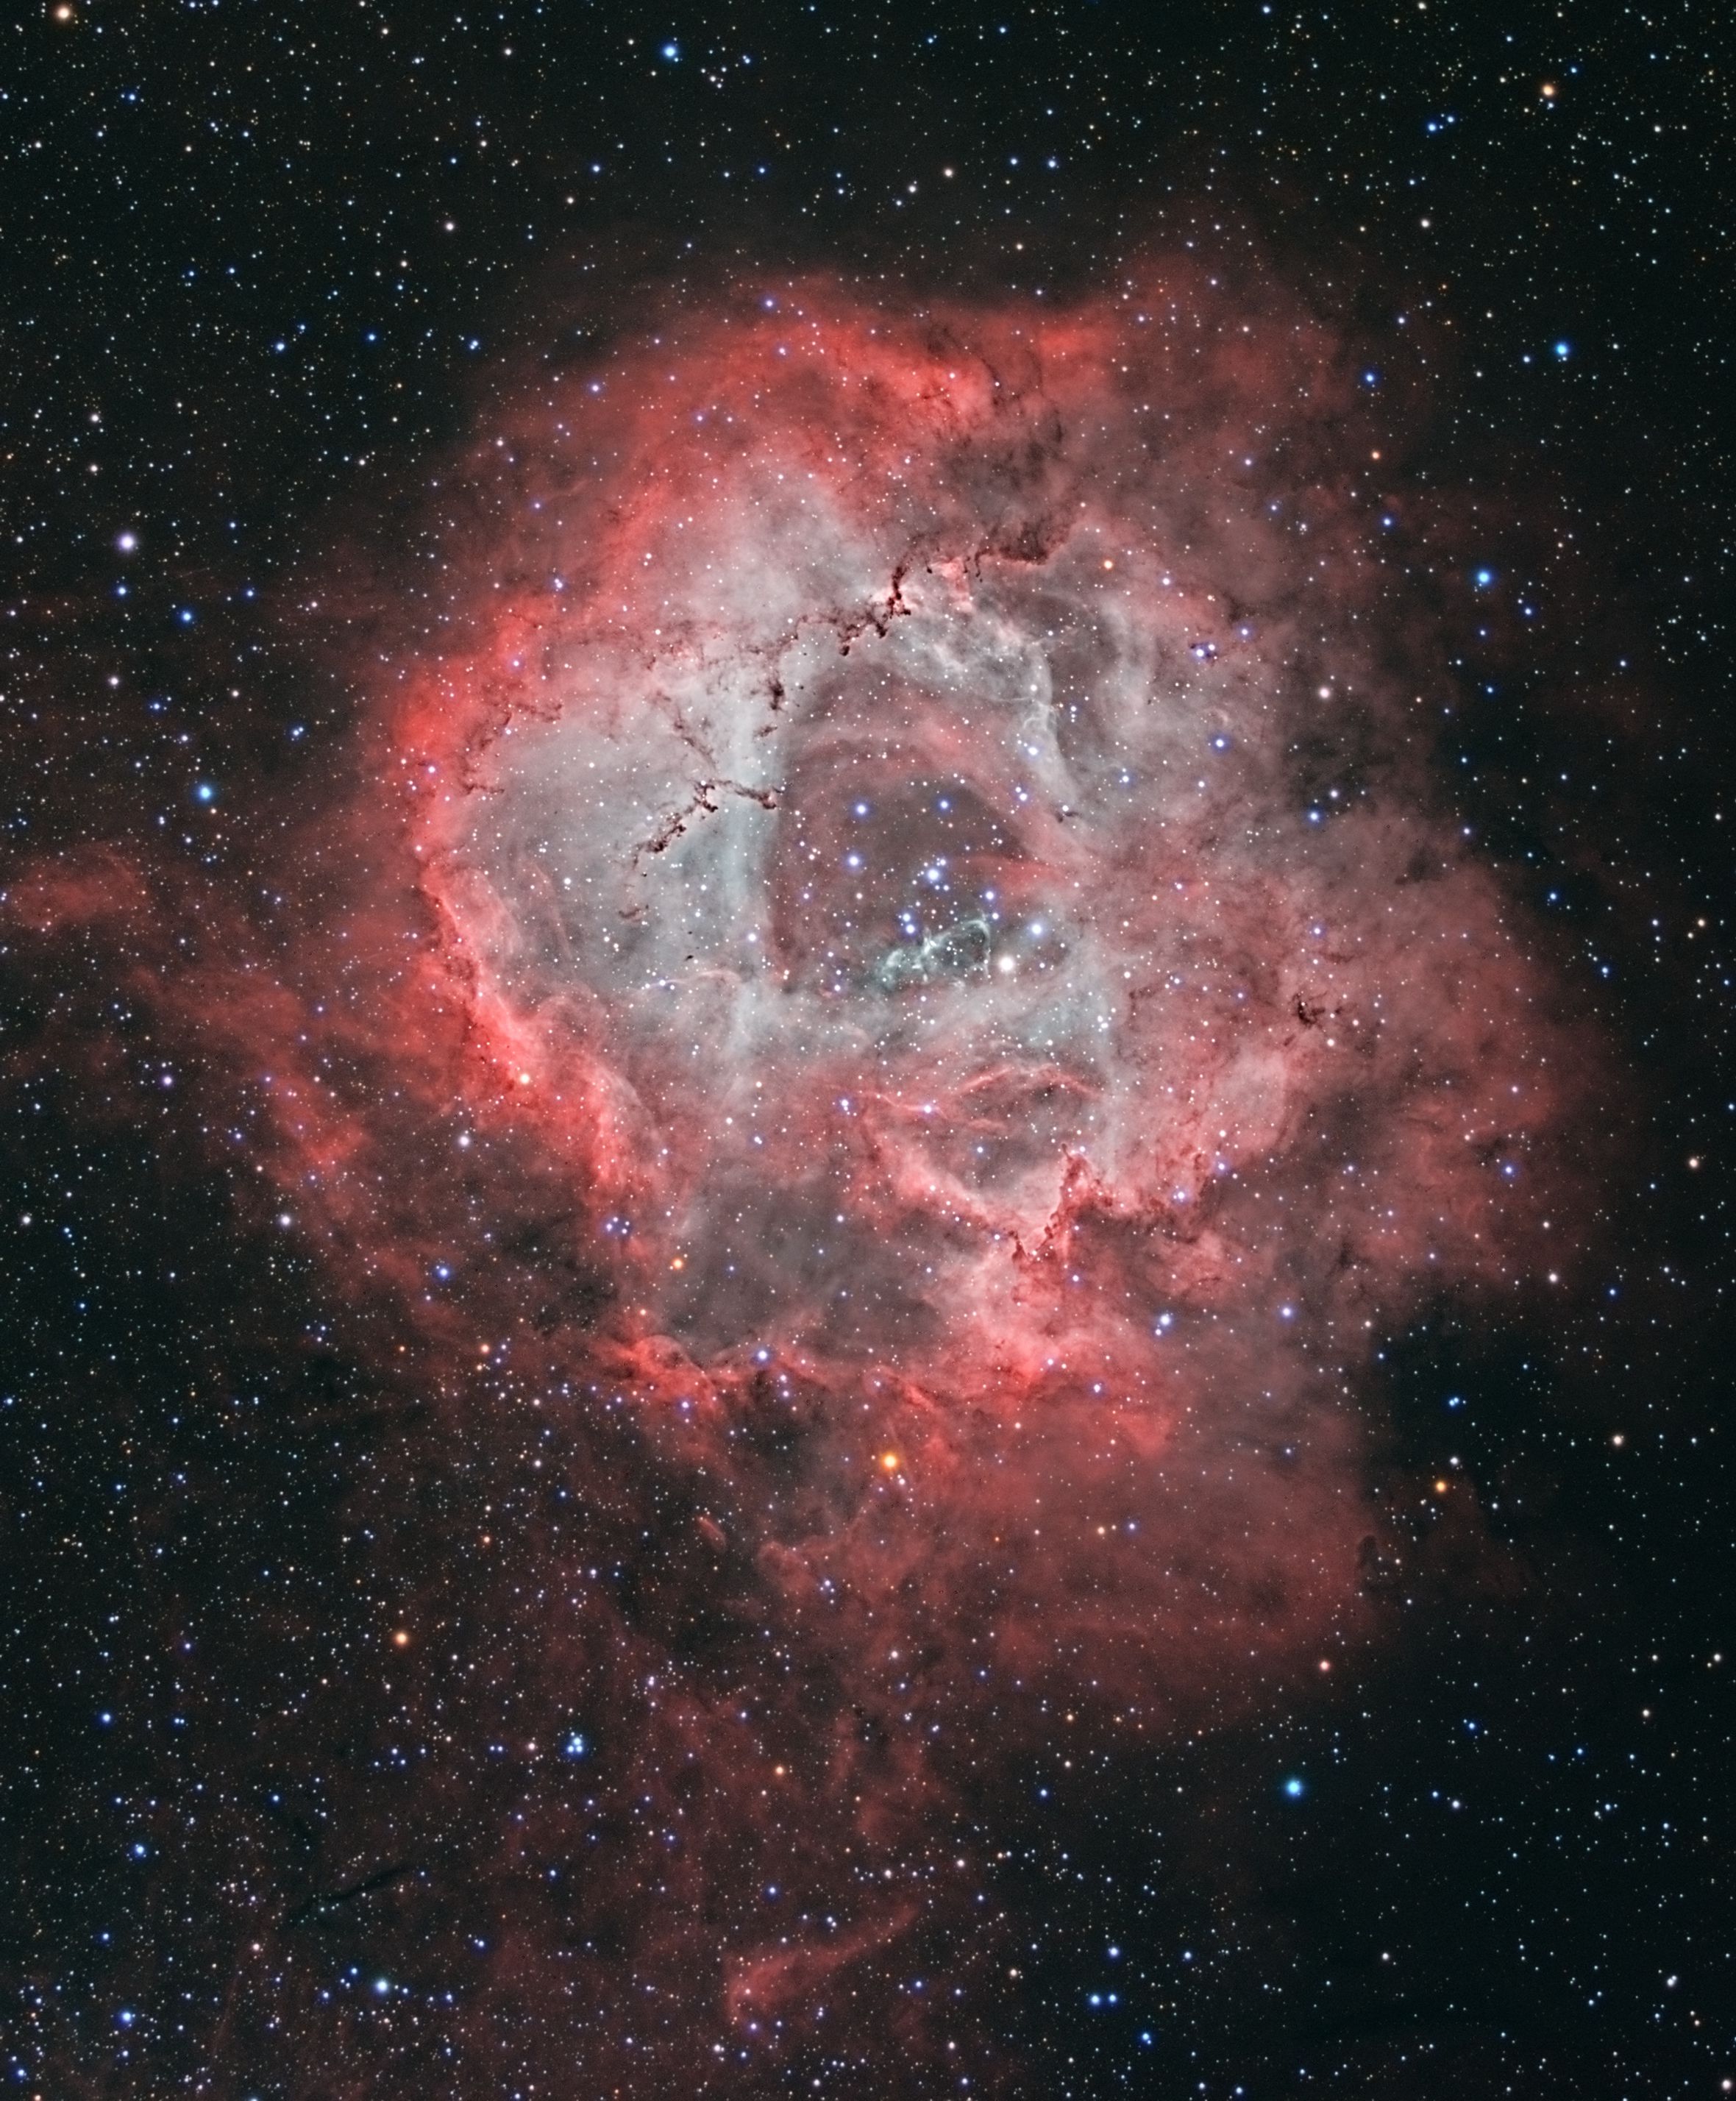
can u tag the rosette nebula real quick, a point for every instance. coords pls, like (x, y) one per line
(906, 1014)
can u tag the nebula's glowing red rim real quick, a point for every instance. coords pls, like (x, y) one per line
(914, 989)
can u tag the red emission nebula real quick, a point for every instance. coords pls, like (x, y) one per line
(906, 1016)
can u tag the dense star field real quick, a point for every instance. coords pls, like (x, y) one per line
(864, 1060)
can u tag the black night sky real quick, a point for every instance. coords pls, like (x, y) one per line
(310, 1790)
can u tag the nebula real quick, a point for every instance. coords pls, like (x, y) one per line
(899, 1002)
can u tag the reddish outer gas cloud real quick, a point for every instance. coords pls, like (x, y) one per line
(912, 961)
